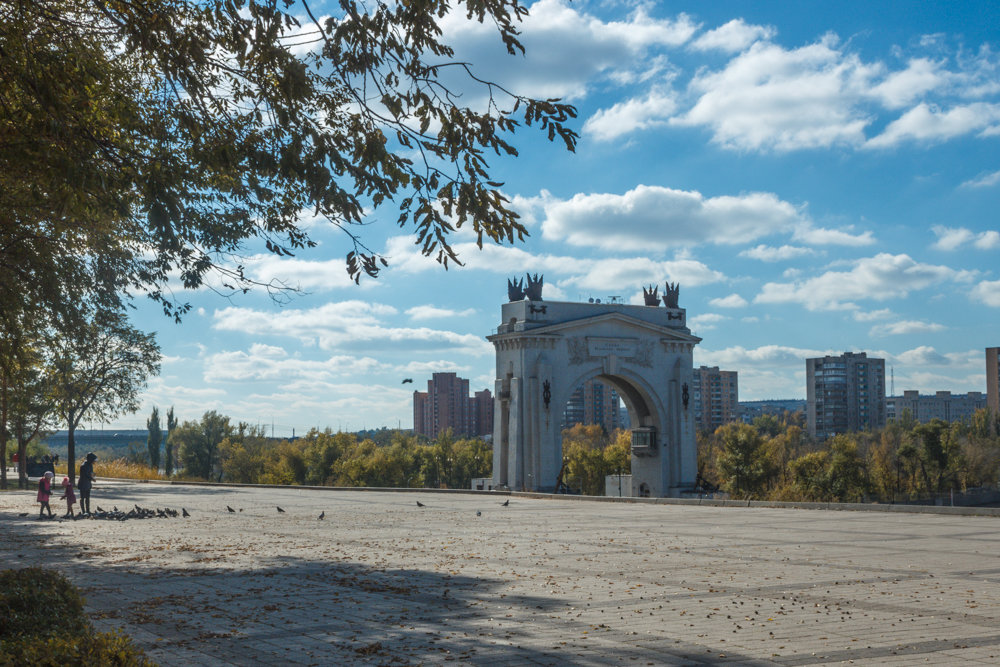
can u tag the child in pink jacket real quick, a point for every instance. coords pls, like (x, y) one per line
(69, 495)
(44, 491)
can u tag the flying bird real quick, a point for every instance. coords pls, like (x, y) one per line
(184, 513)
(230, 509)
(420, 504)
(407, 380)
(322, 514)
(505, 503)
(281, 510)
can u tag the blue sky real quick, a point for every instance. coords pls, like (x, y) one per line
(818, 177)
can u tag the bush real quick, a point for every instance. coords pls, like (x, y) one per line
(111, 649)
(42, 623)
(39, 603)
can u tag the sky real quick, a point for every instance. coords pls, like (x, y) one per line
(818, 177)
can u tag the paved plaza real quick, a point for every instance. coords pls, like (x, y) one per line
(543, 581)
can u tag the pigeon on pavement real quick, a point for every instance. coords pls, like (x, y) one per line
(230, 509)
(322, 514)
(420, 504)
(281, 510)
(505, 503)
(184, 513)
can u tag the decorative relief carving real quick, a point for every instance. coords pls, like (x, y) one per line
(644, 354)
(578, 351)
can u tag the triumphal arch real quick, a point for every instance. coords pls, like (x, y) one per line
(546, 349)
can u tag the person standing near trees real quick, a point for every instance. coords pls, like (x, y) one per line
(86, 482)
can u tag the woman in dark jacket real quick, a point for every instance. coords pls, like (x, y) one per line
(86, 482)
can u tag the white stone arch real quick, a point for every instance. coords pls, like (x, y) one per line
(546, 349)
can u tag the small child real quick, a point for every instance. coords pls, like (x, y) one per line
(69, 496)
(44, 491)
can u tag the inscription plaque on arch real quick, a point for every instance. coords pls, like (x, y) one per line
(605, 347)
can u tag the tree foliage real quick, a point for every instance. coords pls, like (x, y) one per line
(97, 371)
(155, 437)
(142, 139)
(198, 442)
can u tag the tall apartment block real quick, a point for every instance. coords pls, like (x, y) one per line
(715, 397)
(844, 394)
(593, 403)
(993, 380)
(446, 404)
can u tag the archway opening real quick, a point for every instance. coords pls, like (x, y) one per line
(600, 422)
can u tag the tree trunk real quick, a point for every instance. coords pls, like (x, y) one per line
(22, 466)
(3, 432)
(71, 449)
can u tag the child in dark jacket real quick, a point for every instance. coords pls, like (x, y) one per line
(44, 492)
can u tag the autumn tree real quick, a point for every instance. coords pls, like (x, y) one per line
(744, 463)
(98, 370)
(145, 139)
(197, 443)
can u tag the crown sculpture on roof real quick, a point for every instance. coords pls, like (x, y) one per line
(515, 290)
(672, 293)
(533, 291)
(651, 296)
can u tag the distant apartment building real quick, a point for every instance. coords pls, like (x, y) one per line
(942, 405)
(993, 380)
(446, 405)
(714, 397)
(594, 402)
(845, 394)
(750, 410)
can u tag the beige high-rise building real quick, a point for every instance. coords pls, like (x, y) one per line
(714, 397)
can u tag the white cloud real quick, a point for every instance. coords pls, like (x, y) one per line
(345, 325)
(983, 181)
(764, 357)
(770, 98)
(566, 50)
(435, 313)
(731, 301)
(901, 88)
(950, 238)
(905, 327)
(706, 321)
(821, 236)
(871, 316)
(298, 273)
(987, 292)
(631, 115)
(987, 240)
(656, 218)
(564, 274)
(922, 356)
(733, 36)
(771, 254)
(927, 123)
(878, 278)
